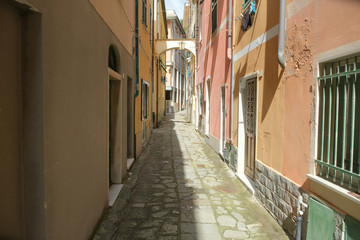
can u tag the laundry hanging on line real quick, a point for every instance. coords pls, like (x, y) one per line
(246, 21)
(253, 8)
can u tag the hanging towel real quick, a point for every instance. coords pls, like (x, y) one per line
(246, 21)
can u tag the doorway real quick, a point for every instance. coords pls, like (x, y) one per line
(11, 121)
(207, 124)
(114, 97)
(250, 133)
(222, 120)
(130, 118)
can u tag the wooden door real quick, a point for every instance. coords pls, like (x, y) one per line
(11, 123)
(250, 135)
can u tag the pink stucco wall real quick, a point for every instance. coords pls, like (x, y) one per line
(213, 63)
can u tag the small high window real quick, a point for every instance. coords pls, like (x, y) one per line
(112, 59)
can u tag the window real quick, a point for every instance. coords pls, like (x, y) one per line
(144, 12)
(144, 100)
(338, 154)
(112, 59)
(246, 2)
(213, 15)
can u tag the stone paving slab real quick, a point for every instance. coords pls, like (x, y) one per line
(179, 188)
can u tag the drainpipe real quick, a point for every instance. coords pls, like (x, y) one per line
(230, 56)
(230, 30)
(300, 205)
(153, 118)
(137, 45)
(281, 41)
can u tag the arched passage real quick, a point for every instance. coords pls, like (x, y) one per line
(177, 87)
(168, 44)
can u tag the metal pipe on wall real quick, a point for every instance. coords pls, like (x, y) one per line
(281, 41)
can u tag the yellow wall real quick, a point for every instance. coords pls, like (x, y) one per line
(145, 58)
(269, 87)
(160, 71)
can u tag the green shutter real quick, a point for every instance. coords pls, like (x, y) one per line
(321, 223)
(352, 231)
(142, 100)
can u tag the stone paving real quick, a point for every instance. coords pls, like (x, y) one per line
(180, 189)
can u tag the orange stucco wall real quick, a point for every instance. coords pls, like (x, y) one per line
(285, 97)
(317, 27)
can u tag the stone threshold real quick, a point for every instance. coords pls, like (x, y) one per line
(130, 162)
(114, 192)
(248, 183)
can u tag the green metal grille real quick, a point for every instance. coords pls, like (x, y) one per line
(339, 122)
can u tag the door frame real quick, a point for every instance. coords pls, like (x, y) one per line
(249, 183)
(222, 118)
(208, 109)
(115, 167)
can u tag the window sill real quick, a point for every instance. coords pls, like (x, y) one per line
(333, 187)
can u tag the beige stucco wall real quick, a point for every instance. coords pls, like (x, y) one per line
(115, 12)
(73, 44)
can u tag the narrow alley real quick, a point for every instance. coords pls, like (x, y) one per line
(180, 189)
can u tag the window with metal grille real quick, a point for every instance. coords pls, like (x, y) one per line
(338, 155)
(144, 12)
(213, 15)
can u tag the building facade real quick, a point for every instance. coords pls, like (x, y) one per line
(145, 78)
(175, 64)
(213, 73)
(294, 112)
(190, 28)
(66, 97)
(160, 28)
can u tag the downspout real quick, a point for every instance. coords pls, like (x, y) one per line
(299, 217)
(230, 56)
(137, 45)
(137, 64)
(229, 48)
(153, 118)
(281, 41)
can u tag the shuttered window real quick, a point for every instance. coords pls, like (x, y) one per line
(144, 12)
(213, 15)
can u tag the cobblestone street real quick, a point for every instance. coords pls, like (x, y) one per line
(180, 189)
